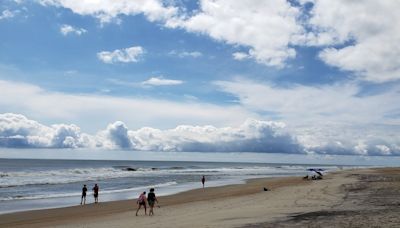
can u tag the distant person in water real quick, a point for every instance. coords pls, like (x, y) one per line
(96, 193)
(142, 202)
(203, 180)
(84, 190)
(151, 199)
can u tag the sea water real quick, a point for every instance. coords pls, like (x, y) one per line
(27, 184)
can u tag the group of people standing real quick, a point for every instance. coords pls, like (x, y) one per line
(151, 200)
(95, 190)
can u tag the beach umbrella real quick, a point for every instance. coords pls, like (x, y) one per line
(318, 171)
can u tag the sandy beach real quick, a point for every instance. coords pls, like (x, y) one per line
(350, 198)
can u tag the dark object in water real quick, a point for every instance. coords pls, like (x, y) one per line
(130, 169)
(176, 167)
(266, 189)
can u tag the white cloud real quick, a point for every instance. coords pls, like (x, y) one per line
(107, 10)
(116, 136)
(326, 119)
(68, 29)
(265, 27)
(357, 36)
(252, 135)
(259, 136)
(8, 14)
(94, 111)
(338, 103)
(240, 55)
(368, 31)
(160, 81)
(323, 120)
(383, 149)
(17, 131)
(183, 54)
(126, 55)
(350, 139)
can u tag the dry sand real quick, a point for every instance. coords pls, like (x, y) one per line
(351, 198)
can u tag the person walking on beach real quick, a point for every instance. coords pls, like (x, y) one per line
(141, 202)
(84, 190)
(203, 180)
(96, 193)
(151, 199)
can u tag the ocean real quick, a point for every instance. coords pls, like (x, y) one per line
(27, 184)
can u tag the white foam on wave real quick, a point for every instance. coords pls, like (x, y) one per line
(61, 176)
(64, 176)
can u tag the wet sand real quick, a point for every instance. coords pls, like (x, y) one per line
(351, 198)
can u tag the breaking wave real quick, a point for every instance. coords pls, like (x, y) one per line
(65, 176)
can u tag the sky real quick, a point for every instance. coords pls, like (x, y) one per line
(294, 77)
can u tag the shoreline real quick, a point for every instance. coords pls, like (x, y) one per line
(23, 191)
(91, 210)
(239, 205)
(73, 199)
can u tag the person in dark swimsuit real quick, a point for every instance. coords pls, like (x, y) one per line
(151, 199)
(203, 180)
(142, 202)
(96, 193)
(84, 190)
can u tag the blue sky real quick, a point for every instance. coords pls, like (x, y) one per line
(275, 76)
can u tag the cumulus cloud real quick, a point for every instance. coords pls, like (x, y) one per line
(265, 27)
(17, 131)
(107, 10)
(126, 55)
(116, 136)
(160, 81)
(68, 29)
(357, 145)
(327, 119)
(356, 36)
(253, 136)
(268, 39)
(365, 30)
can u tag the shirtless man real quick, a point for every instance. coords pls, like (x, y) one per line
(96, 193)
(84, 190)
